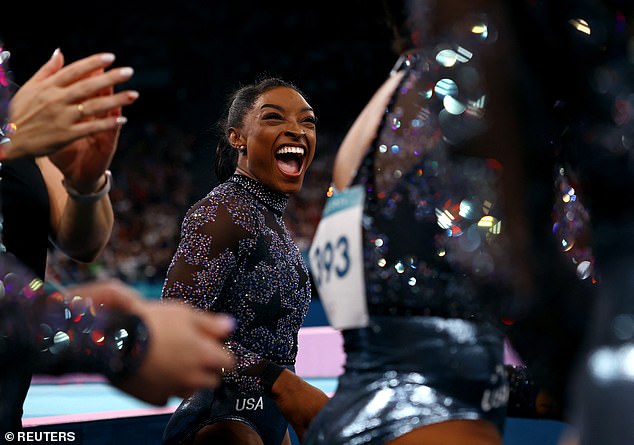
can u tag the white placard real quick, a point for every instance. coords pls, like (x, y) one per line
(336, 260)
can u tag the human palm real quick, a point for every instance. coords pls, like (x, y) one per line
(71, 114)
(83, 161)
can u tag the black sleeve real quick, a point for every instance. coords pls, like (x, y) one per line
(59, 333)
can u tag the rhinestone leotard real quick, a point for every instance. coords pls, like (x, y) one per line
(237, 257)
(432, 239)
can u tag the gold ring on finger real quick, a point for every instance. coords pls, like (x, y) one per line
(80, 108)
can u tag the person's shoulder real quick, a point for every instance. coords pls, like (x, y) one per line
(203, 210)
(225, 196)
(215, 196)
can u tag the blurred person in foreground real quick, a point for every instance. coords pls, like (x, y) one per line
(59, 133)
(471, 202)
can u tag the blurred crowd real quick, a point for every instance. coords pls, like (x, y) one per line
(185, 65)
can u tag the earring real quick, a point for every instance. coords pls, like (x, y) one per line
(242, 149)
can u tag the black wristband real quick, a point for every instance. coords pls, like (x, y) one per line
(127, 342)
(269, 375)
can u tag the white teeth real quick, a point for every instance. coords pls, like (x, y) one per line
(288, 150)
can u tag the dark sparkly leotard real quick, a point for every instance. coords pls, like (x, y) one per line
(237, 257)
(435, 243)
(431, 230)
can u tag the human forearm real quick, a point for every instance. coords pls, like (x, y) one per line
(85, 229)
(81, 214)
(107, 328)
(297, 400)
(86, 221)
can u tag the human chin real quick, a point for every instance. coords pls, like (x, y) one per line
(290, 185)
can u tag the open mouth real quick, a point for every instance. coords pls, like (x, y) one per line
(290, 159)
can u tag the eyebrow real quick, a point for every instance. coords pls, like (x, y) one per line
(277, 107)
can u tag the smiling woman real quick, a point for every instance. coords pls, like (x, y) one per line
(236, 256)
(278, 137)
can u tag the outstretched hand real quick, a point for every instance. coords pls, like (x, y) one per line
(186, 353)
(185, 347)
(72, 114)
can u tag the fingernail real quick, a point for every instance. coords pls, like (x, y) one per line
(55, 53)
(228, 321)
(107, 57)
(133, 95)
(122, 120)
(126, 72)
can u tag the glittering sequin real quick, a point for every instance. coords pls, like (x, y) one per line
(236, 256)
(56, 333)
(405, 372)
(434, 259)
(433, 227)
(571, 227)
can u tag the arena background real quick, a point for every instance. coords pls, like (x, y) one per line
(187, 58)
(188, 55)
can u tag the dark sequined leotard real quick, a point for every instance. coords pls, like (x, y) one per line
(237, 257)
(433, 243)
(431, 230)
(438, 254)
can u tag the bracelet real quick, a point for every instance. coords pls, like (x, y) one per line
(123, 355)
(90, 197)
